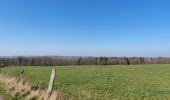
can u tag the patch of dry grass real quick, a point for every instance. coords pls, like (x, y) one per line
(18, 86)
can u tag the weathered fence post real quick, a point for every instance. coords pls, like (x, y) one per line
(51, 83)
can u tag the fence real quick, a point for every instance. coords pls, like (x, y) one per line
(37, 79)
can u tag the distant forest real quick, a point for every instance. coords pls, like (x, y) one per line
(59, 61)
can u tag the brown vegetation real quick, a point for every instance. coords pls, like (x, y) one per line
(17, 86)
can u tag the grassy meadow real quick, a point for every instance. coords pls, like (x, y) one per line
(117, 82)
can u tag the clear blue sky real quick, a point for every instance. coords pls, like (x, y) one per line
(85, 27)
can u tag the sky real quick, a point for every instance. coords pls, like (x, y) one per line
(85, 27)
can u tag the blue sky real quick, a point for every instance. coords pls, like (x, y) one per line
(85, 27)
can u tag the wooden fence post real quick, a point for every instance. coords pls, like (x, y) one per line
(51, 83)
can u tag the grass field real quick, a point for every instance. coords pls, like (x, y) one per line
(120, 82)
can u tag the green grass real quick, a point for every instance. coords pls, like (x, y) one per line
(6, 95)
(133, 82)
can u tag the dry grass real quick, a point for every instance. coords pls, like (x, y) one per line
(18, 86)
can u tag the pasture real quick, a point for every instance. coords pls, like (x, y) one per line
(120, 82)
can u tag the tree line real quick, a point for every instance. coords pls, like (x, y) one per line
(59, 61)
